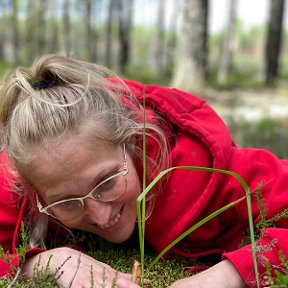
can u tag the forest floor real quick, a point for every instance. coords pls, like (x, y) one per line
(248, 104)
(255, 117)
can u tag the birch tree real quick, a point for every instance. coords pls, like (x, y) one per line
(108, 38)
(190, 72)
(227, 45)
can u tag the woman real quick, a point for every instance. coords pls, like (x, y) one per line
(74, 134)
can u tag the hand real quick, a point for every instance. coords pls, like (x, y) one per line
(221, 275)
(77, 269)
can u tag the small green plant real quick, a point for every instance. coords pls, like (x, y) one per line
(91, 277)
(42, 276)
(281, 277)
(8, 258)
(21, 250)
(141, 214)
(104, 278)
(164, 273)
(267, 133)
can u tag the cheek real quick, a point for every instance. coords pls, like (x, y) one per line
(72, 224)
(133, 187)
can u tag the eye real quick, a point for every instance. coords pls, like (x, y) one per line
(67, 205)
(105, 186)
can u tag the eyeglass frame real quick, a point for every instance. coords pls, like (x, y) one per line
(125, 171)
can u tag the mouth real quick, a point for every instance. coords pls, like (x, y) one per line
(113, 221)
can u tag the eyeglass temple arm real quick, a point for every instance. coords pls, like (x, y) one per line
(125, 158)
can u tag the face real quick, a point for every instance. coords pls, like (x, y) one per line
(72, 168)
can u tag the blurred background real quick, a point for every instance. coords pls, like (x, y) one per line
(232, 53)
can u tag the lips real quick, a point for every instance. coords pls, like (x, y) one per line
(113, 221)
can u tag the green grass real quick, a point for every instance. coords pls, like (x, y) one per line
(164, 273)
(267, 133)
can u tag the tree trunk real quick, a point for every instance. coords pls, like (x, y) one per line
(108, 43)
(66, 27)
(190, 72)
(52, 39)
(15, 33)
(124, 33)
(91, 36)
(41, 27)
(274, 39)
(160, 37)
(30, 35)
(227, 46)
(3, 32)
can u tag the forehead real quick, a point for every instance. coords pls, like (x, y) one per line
(70, 159)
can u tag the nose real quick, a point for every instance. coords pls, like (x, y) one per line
(98, 212)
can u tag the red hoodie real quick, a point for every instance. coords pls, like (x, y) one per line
(198, 137)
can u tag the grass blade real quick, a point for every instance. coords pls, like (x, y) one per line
(141, 219)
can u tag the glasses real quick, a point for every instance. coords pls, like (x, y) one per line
(107, 190)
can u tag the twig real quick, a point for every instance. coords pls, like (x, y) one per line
(15, 278)
(136, 273)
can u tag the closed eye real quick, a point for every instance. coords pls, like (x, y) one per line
(67, 205)
(107, 184)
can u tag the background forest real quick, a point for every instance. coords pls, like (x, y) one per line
(242, 73)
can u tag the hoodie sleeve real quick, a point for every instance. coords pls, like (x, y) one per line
(9, 214)
(272, 242)
(11, 210)
(264, 172)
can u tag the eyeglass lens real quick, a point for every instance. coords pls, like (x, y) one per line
(109, 190)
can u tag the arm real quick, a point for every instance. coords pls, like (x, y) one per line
(76, 268)
(221, 275)
(261, 166)
(271, 242)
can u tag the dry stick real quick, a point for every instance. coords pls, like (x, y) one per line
(15, 278)
(77, 268)
(136, 273)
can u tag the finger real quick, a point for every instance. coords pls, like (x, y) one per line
(125, 275)
(129, 276)
(123, 282)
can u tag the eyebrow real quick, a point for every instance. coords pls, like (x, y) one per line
(105, 173)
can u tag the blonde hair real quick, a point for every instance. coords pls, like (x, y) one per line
(60, 95)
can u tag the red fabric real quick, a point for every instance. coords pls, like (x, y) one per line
(9, 214)
(198, 137)
(8, 217)
(202, 139)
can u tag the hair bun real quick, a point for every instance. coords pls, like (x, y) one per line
(42, 84)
